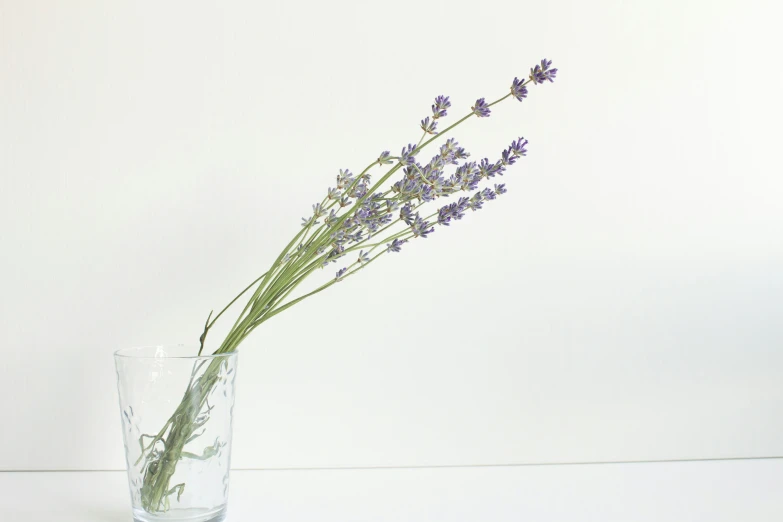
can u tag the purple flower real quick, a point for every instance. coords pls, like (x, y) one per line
(518, 89)
(340, 273)
(407, 187)
(542, 73)
(439, 107)
(395, 245)
(436, 163)
(438, 186)
(355, 237)
(337, 252)
(500, 188)
(385, 219)
(407, 157)
(467, 176)
(427, 193)
(508, 157)
(448, 147)
(444, 215)
(338, 236)
(359, 190)
(453, 211)
(476, 201)
(488, 195)
(450, 152)
(489, 170)
(363, 213)
(518, 147)
(385, 158)
(480, 108)
(331, 219)
(344, 178)
(333, 193)
(484, 166)
(429, 126)
(406, 214)
(421, 227)
(363, 257)
(446, 155)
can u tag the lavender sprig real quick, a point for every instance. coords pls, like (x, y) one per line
(429, 126)
(541, 73)
(481, 108)
(440, 106)
(356, 210)
(357, 215)
(518, 89)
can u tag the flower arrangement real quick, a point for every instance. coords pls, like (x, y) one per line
(356, 223)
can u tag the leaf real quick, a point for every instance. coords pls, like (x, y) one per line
(208, 452)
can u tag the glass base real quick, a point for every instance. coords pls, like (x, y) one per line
(182, 515)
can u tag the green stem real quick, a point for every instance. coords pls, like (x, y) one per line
(209, 324)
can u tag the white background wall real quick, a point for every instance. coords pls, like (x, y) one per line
(622, 302)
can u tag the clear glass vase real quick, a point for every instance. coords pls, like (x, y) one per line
(176, 412)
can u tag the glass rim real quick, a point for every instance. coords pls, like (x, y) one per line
(132, 352)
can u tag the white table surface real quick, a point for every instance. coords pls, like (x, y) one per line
(714, 491)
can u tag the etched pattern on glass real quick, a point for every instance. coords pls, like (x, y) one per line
(176, 416)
